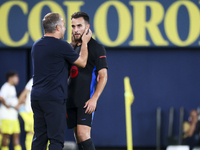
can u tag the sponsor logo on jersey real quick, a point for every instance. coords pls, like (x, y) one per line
(74, 71)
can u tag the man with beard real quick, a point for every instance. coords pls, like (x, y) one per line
(51, 57)
(85, 84)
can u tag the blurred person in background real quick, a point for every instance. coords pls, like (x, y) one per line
(25, 111)
(2, 102)
(1, 99)
(192, 130)
(10, 123)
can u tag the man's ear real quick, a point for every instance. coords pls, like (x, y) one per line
(88, 26)
(58, 28)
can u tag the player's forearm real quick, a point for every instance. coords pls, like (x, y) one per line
(22, 100)
(3, 101)
(100, 86)
(22, 97)
(84, 53)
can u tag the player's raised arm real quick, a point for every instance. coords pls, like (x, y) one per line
(82, 60)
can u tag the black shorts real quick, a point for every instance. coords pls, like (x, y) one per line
(77, 116)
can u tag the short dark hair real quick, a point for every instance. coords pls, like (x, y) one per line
(10, 74)
(50, 21)
(81, 14)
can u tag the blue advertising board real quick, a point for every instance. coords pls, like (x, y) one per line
(127, 23)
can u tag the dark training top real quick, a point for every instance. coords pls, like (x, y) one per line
(82, 81)
(197, 129)
(51, 58)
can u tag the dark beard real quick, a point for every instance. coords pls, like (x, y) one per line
(79, 40)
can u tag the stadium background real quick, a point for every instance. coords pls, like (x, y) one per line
(155, 43)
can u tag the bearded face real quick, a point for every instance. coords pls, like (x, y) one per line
(78, 28)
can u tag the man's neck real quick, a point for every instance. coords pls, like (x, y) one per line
(52, 35)
(79, 42)
(10, 83)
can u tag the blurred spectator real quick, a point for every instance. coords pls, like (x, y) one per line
(1, 100)
(25, 110)
(10, 123)
(192, 130)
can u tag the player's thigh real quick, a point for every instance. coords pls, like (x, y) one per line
(83, 129)
(83, 133)
(28, 121)
(16, 127)
(75, 135)
(5, 139)
(16, 140)
(84, 122)
(71, 118)
(7, 127)
(30, 126)
(83, 118)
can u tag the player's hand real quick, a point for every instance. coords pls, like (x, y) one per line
(17, 107)
(90, 106)
(87, 35)
(7, 106)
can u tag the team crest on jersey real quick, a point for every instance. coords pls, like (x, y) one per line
(74, 71)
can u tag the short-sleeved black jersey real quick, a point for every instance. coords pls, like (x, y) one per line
(82, 81)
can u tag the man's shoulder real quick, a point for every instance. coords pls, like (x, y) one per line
(50, 43)
(95, 44)
(50, 39)
(5, 87)
(63, 44)
(36, 42)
